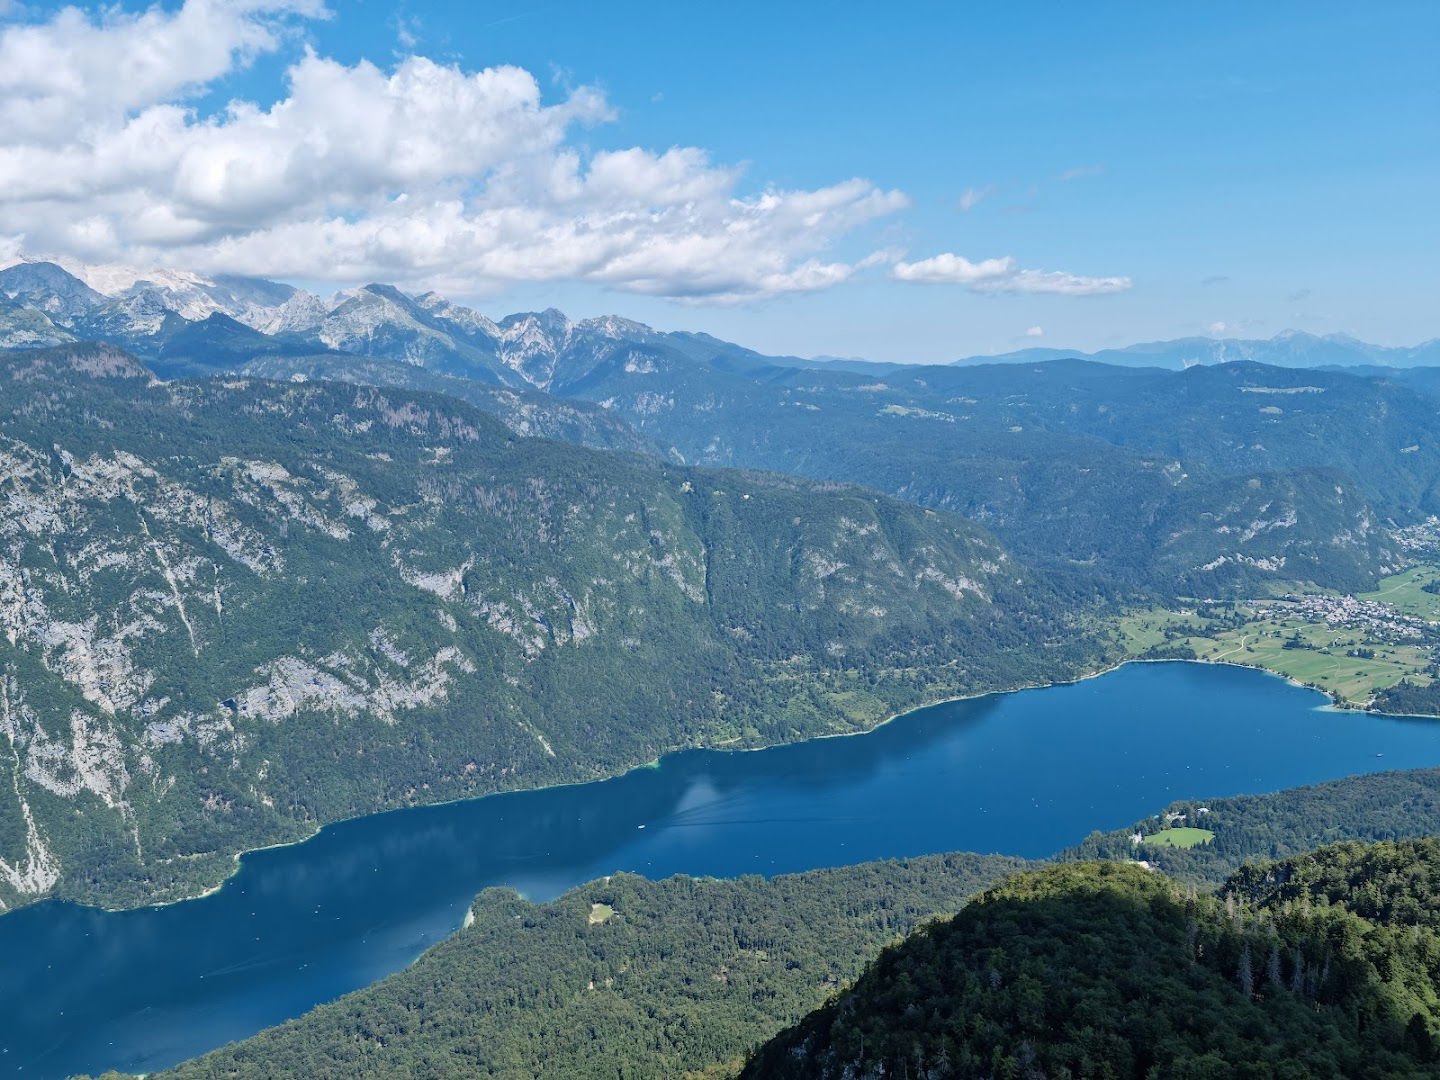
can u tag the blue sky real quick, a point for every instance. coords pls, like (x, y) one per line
(1248, 167)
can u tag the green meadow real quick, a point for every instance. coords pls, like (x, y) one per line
(1182, 837)
(1405, 592)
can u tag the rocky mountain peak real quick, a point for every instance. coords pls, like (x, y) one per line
(302, 311)
(531, 344)
(616, 327)
(388, 292)
(468, 321)
(48, 287)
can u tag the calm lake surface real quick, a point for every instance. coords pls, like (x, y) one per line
(1025, 774)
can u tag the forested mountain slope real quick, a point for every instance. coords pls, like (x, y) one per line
(1395, 883)
(525, 412)
(1188, 482)
(231, 610)
(1198, 481)
(1108, 969)
(1243, 417)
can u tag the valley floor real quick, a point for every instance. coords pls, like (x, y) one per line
(1352, 647)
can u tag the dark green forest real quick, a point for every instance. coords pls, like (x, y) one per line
(1111, 970)
(1407, 698)
(681, 975)
(1381, 806)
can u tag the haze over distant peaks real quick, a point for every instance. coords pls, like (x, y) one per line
(1289, 348)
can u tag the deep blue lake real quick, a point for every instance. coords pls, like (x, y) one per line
(1024, 773)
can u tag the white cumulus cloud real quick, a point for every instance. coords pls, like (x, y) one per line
(420, 172)
(1003, 275)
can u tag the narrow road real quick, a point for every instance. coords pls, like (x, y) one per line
(1227, 652)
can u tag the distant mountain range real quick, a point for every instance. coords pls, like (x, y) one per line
(186, 323)
(1203, 480)
(1290, 348)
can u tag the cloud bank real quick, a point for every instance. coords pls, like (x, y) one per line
(421, 173)
(1003, 275)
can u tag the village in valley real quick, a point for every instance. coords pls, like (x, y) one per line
(1349, 612)
(1365, 650)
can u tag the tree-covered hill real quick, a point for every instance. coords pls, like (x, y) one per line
(1111, 970)
(234, 609)
(1249, 828)
(1210, 480)
(622, 977)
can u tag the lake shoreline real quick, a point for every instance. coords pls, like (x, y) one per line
(236, 858)
(653, 763)
(1333, 704)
